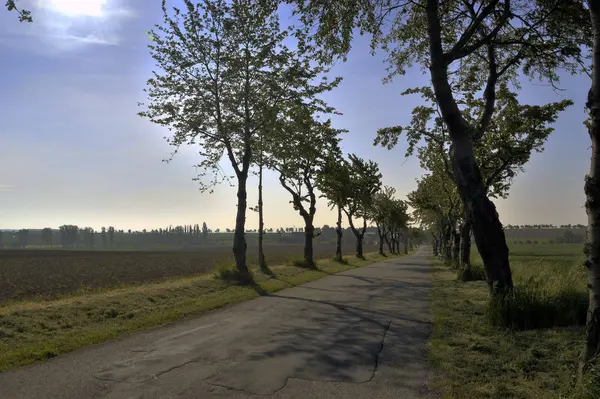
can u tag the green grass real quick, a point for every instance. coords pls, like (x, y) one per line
(476, 359)
(35, 330)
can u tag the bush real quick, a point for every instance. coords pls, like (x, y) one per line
(300, 262)
(344, 261)
(229, 273)
(531, 305)
(475, 272)
(589, 388)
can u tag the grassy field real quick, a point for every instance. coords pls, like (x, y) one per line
(476, 360)
(48, 274)
(34, 330)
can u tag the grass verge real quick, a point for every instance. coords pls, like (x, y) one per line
(32, 331)
(475, 359)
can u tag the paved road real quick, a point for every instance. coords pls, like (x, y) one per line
(358, 334)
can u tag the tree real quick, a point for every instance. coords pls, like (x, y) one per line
(436, 203)
(111, 236)
(493, 42)
(299, 151)
(22, 238)
(513, 133)
(68, 235)
(333, 181)
(24, 15)
(381, 214)
(47, 236)
(103, 237)
(398, 219)
(365, 181)
(204, 231)
(224, 68)
(591, 349)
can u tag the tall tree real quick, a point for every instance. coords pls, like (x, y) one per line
(513, 133)
(333, 181)
(224, 67)
(381, 214)
(47, 236)
(22, 238)
(111, 236)
(299, 151)
(592, 204)
(365, 182)
(491, 41)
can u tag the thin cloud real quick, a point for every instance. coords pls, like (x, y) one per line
(66, 26)
(5, 188)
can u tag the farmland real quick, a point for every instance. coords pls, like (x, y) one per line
(50, 273)
(478, 360)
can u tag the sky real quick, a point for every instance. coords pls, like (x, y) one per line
(74, 151)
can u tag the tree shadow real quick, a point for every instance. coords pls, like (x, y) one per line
(341, 332)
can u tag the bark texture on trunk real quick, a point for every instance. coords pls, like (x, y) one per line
(359, 234)
(487, 229)
(359, 247)
(448, 243)
(339, 232)
(239, 238)
(261, 224)
(381, 234)
(465, 245)
(592, 204)
(309, 233)
(388, 243)
(456, 249)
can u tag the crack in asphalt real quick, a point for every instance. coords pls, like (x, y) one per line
(373, 373)
(379, 352)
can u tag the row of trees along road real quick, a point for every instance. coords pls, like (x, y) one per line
(228, 83)
(474, 53)
(228, 79)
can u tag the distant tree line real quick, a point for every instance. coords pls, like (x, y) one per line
(544, 226)
(174, 237)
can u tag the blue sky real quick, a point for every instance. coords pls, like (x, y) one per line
(73, 150)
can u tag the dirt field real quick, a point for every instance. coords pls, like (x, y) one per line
(49, 273)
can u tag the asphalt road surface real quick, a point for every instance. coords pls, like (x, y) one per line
(358, 334)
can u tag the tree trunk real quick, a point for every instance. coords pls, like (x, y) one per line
(380, 233)
(359, 235)
(406, 243)
(339, 232)
(448, 243)
(239, 238)
(487, 229)
(359, 247)
(309, 234)
(261, 224)
(435, 247)
(456, 247)
(592, 204)
(465, 245)
(388, 243)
